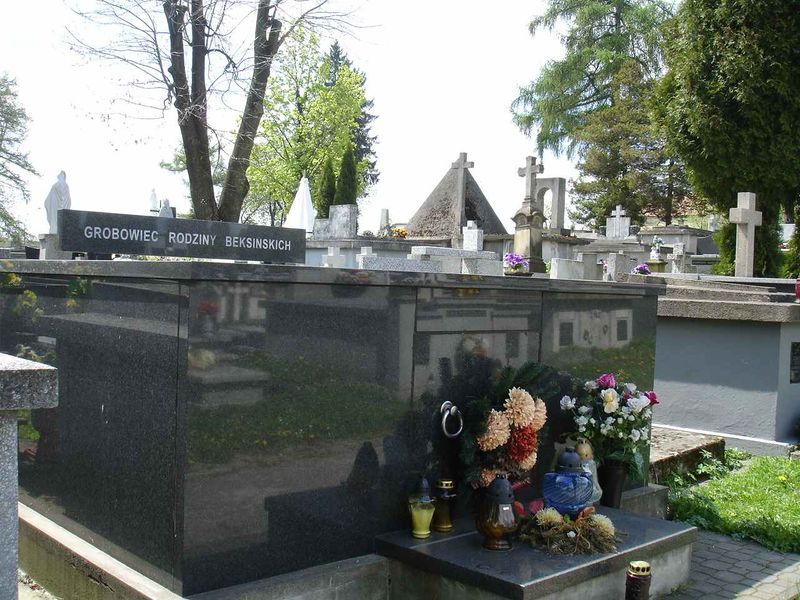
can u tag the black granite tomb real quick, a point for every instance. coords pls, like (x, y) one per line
(223, 423)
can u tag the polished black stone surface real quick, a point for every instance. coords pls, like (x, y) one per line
(222, 423)
(104, 460)
(525, 572)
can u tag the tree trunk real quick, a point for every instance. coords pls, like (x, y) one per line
(266, 46)
(191, 107)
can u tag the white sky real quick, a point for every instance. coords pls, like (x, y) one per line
(442, 74)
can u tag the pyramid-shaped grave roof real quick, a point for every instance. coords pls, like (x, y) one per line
(438, 216)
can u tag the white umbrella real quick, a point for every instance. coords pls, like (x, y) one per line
(302, 213)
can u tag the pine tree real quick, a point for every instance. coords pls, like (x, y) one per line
(346, 184)
(327, 189)
(599, 38)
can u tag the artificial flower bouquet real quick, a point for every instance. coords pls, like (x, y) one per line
(515, 263)
(615, 418)
(501, 431)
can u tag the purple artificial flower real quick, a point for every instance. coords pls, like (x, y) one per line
(641, 269)
(515, 260)
(606, 380)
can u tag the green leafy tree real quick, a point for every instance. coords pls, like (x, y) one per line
(791, 263)
(731, 103)
(600, 37)
(307, 122)
(327, 189)
(363, 140)
(14, 163)
(347, 182)
(624, 160)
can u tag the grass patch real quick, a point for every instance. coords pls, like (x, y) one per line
(760, 501)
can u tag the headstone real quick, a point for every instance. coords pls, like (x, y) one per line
(529, 219)
(462, 164)
(473, 237)
(385, 228)
(747, 218)
(166, 212)
(618, 226)
(334, 258)
(616, 262)
(459, 260)
(713, 224)
(564, 268)
(341, 224)
(394, 263)
(24, 384)
(677, 258)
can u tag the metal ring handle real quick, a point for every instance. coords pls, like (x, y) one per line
(448, 409)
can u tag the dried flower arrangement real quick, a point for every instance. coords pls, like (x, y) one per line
(589, 533)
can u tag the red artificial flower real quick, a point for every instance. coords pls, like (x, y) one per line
(522, 443)
(652, 397)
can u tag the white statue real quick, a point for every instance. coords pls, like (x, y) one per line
(57, 199)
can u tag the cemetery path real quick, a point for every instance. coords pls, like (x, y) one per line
(725, 568)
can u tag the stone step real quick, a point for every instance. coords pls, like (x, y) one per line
(675, 450)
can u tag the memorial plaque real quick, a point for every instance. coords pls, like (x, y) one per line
(84, 231)
(794, 363)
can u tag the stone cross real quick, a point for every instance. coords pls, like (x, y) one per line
(618, 226)
(334, 258)
(462, 164)
(529, 172)
(747, 218)
(24, 384)
(473, 237)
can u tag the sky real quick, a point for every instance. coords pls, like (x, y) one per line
(442, 76)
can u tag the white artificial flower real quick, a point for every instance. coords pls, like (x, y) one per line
(581, 421)
(631, 418)
(648, 412)
(610, 421)
(630, 388)
(636, 435)
(567, 403)
(619, 419)
(638, 403)
(592, 421)
(625, 411)
(571, 534)
(590, 386)
(644, 434)
(581, 429)
(585, 410)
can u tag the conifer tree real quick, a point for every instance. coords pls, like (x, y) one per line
(327, 189)
(346, 183)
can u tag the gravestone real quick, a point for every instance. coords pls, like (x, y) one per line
(341, 224)
(677, 258)
(618, 226)
(385, 228)
(747, 218)
(529, 219)
(24, 384)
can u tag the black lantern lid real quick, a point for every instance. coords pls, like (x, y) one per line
(569, 461)
(500, 491)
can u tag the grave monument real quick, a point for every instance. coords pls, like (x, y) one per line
(57, 199)
(747, 218)
(529, 218)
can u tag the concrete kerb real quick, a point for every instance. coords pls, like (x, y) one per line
(73, 569)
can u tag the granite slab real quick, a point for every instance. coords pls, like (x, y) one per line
(27, 384)
(524, 572)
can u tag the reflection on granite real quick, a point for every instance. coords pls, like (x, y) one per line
(115, 346)
(297, 434)
(262, 419)
(524, 571)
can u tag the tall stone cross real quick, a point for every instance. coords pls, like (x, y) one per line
(529, 172)
(747, 218)
(462, 164)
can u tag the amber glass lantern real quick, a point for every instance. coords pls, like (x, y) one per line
(445, 498)
(496, 518)
(421, 507)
